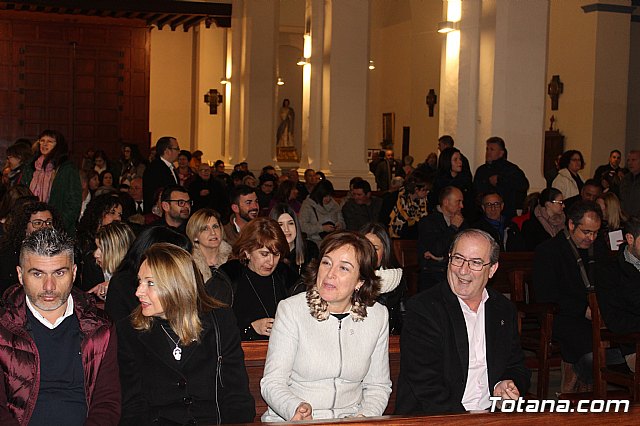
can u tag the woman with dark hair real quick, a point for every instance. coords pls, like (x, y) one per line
(106, 179)
(185, 173)
(547, 219)
(331, 340)
(54, 179)
(568, 180)
(101, 211)
(450, 173)
(18, 155)
(25, 219)
(9, 200)
(287, 193)
(130, 163)
(392, 284)
(301, 251)
(257, 277)
(179, 353)
(121, 298)
(320, 214)
(266, 191)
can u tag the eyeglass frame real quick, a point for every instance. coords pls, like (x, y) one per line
(48, 222)
(181, 203)
(468, 261)
(494, 204)
(561, 202)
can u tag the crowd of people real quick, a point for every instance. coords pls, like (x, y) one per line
(129, 284)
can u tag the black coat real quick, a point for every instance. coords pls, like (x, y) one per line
(217, 199)
(434, 348)
(534, 233)
(618, 291)
(512, 184)
(156, 389)
(510, 239)
(237, 291)
(157, 175)
(556, 279)
(121, 295)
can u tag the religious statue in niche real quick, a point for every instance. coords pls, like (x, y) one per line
(284, 135)
(285, 141)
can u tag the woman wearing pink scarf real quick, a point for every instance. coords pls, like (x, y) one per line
(54, 179)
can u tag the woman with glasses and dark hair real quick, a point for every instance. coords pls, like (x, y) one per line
(301, 250)
(28, 217)
(121, 298)
(568, 180)
(258, 280)
(320, 214)
(451, 173)
(547, 219)
(54, 179)
(179, 352)
(331, 341)
(392, 284)
(130, 163)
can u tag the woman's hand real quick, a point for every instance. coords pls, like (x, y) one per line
(303, 412)
(100, 290)
(327, 227)
(263, 326)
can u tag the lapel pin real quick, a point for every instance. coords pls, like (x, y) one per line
(501, 322)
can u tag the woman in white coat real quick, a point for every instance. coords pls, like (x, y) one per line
(568, 180)
(328, 352)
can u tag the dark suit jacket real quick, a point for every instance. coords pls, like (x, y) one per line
(434, 351)
(556, 279)
(157, 175)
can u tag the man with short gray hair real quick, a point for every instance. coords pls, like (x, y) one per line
(58, 351)
(460, 342)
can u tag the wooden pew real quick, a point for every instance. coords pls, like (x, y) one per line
(406, 252)
(255, 354)
(511, 261)
(527, 419)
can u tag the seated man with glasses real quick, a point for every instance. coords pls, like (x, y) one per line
(563, 273)
(460, 342)
(176, 208)
(504, 231)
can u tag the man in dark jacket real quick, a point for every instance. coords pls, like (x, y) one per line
(501, 176)
(505, 232)
(207, 191)
(362, 208)
(161, 172)
(58, 351)
(435, 234)
(386, 170)
(460, 340)
(558, 278)
(618, 287)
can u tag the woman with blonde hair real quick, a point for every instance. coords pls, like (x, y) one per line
(171, 349)
(614, 217)
(205, 231)
(112, 243)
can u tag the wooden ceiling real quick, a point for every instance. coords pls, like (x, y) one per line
(172, 14)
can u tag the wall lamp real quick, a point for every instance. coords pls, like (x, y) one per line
(447, 26)
(302, 61)
(372, 66)
(224, 80)
(280, 81)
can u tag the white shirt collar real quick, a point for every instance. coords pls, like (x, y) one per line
(67, 313)
(170, 165)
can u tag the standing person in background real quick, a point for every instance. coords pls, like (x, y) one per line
(451, 173)
(502, 176)
(130, 164)
(185, 173)
(18, 155)
(630, 185)
(54, 179)
(609, 175)
(160, 172)
(386, 170)
(568, 180)
(207, 191)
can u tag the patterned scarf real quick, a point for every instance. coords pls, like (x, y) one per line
(551, 224)
(42, 180)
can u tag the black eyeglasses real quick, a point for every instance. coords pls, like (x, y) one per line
(494, 204)
(181, 203)
(474, 264)
(38, 223)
